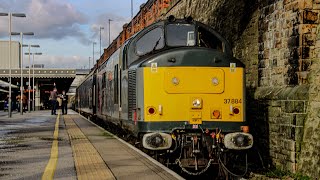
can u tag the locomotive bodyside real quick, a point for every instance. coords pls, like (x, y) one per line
(85, 95)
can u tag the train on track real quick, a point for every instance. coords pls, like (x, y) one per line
(176, 87)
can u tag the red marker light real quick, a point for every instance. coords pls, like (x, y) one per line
(151, 110)
(236, 110)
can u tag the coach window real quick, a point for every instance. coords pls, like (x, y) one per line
(104, 77)
(124, 58)
(152, 40)
(115, 84)
(90, 98)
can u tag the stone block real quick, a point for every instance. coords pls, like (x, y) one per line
(285, 2)
(299, 106)
(273, 120)
(310, 17)
(308, 39)
(291, 166)
(274, 128)
(275, 103)
(300, 118)
(305, 4)
(274, 111)
(305, 65)
(298, 137)
(307, 28)
(291, 157)
(285, 131)
(288, 106)
(290, 145)
(316, 6)
(293, 106)
(295, 6)
(273, 154)
(281, 157)
(298, 147)
(285, 120)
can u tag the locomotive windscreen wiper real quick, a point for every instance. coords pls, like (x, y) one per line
(157, 43)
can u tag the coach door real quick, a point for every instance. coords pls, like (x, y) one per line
(123, 84)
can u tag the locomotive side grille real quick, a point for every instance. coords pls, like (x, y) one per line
(131, 93)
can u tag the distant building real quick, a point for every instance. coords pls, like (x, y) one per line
(15, 55)
(38, 66)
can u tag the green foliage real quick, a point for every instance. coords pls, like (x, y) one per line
(278, 173)
(299, 176)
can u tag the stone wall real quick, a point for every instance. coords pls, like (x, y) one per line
(278, 40)
(309, 158)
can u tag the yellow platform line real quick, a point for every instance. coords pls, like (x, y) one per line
(52, 164)
(88, 162)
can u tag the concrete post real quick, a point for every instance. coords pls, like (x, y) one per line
(37, 95)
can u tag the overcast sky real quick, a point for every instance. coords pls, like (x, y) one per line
(65, 29)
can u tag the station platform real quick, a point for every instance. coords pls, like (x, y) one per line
(39, 145)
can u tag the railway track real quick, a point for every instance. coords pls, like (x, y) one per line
(213, 171)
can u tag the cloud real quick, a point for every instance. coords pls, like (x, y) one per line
(50, 19)
(116, 26)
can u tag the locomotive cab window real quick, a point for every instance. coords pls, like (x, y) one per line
(180, 35)
(152, 40)
(209, 40)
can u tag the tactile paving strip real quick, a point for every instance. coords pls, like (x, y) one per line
(88, 162)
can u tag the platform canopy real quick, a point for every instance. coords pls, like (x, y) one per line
(4, 84)
(39, 73)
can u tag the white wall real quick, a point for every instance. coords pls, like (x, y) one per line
(4, 54)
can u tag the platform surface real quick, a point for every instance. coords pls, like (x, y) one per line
(39, 145)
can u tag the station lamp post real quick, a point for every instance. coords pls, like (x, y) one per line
(21, 64)
(29, 87)
(92, 52)
(34, 87)
(109, 20)
(10, 17)
(101, 28)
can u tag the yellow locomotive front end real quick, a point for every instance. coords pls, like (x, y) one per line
(196, 95)
(186, 94)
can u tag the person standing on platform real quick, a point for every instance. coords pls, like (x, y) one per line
(64, 99)
(24, 102)
(53, 99)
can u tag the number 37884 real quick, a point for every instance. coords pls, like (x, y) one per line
(232, 101)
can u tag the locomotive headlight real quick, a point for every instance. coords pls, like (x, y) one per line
(197, 103)
(175, 81)
(215, 81)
